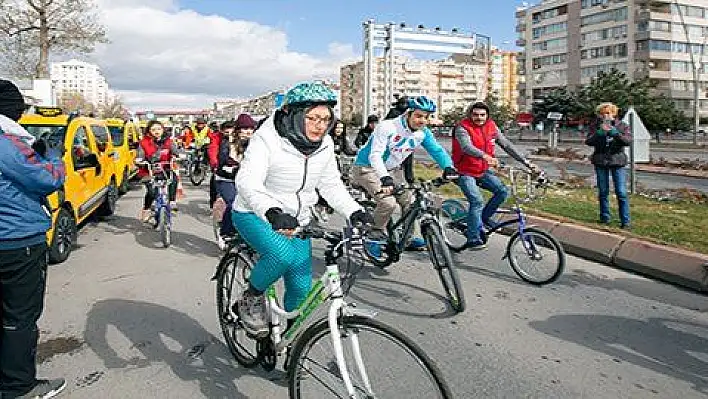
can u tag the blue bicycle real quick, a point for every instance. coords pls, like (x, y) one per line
(545, 254)
(160, 180)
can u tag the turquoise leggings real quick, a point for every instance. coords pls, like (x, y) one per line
(280, 256)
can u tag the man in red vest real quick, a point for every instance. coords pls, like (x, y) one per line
(473, 145)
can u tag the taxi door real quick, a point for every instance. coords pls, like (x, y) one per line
(81, 171)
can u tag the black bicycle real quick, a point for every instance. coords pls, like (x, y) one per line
(383, 253)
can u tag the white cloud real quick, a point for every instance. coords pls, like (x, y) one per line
(160, 55)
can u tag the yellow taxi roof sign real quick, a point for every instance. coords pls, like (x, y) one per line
(48, 111)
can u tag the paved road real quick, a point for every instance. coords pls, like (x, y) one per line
(125, 319)
(644, 179)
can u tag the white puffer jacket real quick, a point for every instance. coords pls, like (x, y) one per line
(274, 174)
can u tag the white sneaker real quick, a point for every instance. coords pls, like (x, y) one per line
(221, 243)
(251, 309)
(45, 389)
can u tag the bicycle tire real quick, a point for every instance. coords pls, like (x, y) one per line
(197, 173)
(439, 251)
(556, 246)
(224, 300)
(164, 227)
(321, 329)
(450, 213)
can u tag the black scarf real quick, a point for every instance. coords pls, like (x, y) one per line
(290, 124)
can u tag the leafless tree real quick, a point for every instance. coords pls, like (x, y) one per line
(74, 101)
(114, 108)
(31, 30)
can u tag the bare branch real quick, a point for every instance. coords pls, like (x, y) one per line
(51, 26)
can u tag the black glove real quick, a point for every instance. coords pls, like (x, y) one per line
(450, 173)
(40, 147)
(280, 220)
(361, 218)
(387, 181)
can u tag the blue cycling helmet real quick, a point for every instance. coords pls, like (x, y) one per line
(422, 103)
(310, 93)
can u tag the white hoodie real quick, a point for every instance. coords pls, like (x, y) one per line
(274, 174)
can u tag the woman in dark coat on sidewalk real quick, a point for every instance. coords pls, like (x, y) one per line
(609, 136)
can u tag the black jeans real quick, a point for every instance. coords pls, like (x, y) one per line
(22, 282)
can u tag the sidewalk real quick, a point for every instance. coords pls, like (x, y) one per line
(677, 266)
(701, 174)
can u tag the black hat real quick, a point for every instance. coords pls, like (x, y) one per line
(372, 119)
(12, 103)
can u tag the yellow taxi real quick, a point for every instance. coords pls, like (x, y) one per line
(125, 140)
(90, 185)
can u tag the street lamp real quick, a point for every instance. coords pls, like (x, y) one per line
(696, 63)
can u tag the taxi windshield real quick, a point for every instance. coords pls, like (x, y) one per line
(53, 134)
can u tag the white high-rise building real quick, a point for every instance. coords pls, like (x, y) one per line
(80, 77)
(452, 82)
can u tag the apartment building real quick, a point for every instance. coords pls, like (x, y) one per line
(266, 103)
(80, 77)
(568, 42)
(503, 76)
(452, 82)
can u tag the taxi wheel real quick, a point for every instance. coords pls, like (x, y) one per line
(109, 204)
(124, 184)
(64, 237)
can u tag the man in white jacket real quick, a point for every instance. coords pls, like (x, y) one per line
(288, 158)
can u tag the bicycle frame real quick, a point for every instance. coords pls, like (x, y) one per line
(327, 288)
(414, 211)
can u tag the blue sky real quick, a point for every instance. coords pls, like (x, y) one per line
(311, 25)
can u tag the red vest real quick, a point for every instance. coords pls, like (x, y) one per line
(150, 147)
(483, 137)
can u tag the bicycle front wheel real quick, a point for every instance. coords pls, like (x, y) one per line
(231, 281)
(453, 218)
(536, 257)
(380, 361)
(443, 263)
(197, 173)
(163, 225)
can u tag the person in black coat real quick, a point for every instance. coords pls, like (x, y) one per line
(365, 132)
(608, 135)
(339, 136)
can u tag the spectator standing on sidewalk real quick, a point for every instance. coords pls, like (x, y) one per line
(608, 135)
(29, 171)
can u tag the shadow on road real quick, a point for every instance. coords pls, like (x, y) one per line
(674, 348)
(148, 237)
(162, 335)
(639, 287)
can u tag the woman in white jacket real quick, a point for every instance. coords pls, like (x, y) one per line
(288, 158)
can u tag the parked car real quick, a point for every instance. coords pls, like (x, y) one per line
(90, 186)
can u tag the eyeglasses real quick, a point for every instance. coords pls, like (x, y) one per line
(484, 115)
(316, 120)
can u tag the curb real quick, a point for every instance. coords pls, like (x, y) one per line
(673, 265)
(699, 174)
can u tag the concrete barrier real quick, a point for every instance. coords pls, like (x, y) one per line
(542, 223)
(588, 243)
(678, 266)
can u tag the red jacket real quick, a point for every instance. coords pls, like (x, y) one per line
(213, 148)
(150, 147)
(483, 137)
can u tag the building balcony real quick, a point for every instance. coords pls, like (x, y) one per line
(521, 27)
(521, 42)
(520, 13)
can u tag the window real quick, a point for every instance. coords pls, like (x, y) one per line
(80, 148)
(117, 135)
(660, 45)
(101, 135)
(619, 14)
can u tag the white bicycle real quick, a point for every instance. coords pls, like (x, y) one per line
(345, 353)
